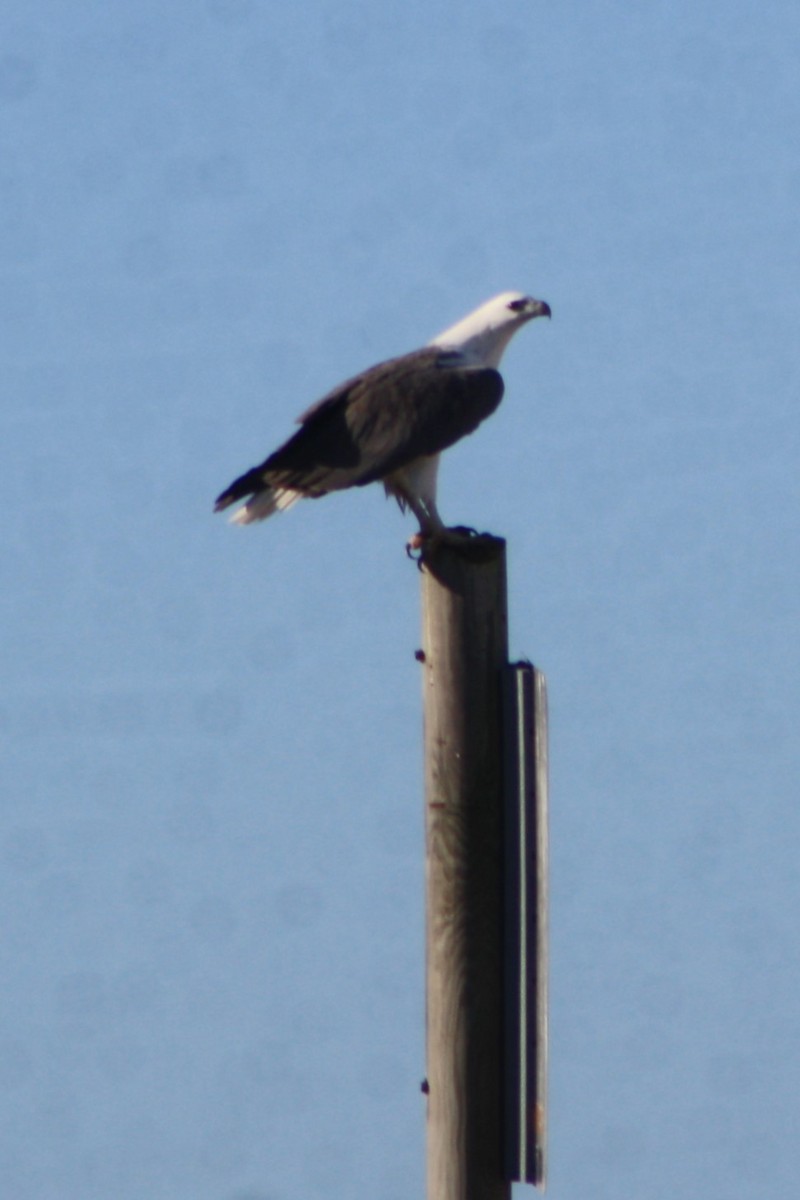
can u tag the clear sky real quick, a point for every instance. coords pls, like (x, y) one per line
(211, 836)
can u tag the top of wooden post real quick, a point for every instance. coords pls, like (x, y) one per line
(442, 557)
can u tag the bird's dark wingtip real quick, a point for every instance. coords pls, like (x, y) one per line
(224, 500)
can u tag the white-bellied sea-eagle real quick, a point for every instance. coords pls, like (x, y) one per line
(391, 422)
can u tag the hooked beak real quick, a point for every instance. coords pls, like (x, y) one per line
(538, 308)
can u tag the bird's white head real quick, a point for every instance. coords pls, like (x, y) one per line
(482, 336)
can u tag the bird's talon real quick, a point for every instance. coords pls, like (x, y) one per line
(419, 546)
(422, 547)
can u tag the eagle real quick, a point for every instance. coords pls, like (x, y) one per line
(390, 423)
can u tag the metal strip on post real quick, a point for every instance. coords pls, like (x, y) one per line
(525, 724)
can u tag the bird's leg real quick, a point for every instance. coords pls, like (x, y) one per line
(430, 523)
(432, 530)
(434, 533)
(431, 526)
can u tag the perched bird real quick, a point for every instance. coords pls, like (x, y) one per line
(391, 422)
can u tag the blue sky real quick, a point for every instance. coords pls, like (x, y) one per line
(211, 821)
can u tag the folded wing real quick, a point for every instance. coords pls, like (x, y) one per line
(370, 426)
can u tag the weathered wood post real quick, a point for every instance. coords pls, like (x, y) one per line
(465, 649)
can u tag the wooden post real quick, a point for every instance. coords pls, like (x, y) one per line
(465, 648)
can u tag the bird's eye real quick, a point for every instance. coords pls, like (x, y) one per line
(518, 305)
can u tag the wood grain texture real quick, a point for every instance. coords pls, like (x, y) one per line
(465, 649)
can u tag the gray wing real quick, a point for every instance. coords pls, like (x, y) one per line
(377, 422)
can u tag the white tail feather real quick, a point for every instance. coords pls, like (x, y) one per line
(286, 497)
(263, 505)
